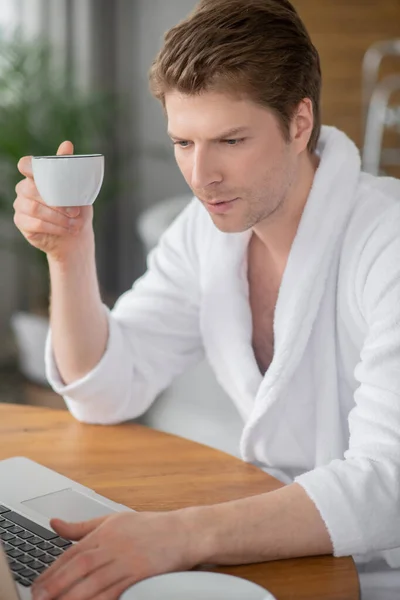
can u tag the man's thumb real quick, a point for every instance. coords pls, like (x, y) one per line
(65, 148)
(75, 531)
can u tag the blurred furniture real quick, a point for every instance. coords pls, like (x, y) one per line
(30, 331)
(152, 222)
(149, 470)
(194, 406)
(37, 395)
(15, 388)
(378, 115)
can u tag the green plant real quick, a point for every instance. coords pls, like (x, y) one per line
(40, 106)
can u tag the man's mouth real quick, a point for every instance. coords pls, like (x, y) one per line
(214, 202)
(220, 206)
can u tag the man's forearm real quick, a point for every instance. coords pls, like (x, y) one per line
(78, 320)
(280, 524)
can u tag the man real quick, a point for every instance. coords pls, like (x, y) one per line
(284, 270)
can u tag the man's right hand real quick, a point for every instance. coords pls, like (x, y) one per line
(57, 231)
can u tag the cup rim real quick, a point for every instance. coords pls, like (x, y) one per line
(69, 156)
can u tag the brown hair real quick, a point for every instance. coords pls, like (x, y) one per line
(259, 48)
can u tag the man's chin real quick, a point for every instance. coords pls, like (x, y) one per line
(228, 225)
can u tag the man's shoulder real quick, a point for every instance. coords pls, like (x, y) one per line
(380, 193)
(377, 207)
(371, 241)
(374, 221)
(373, 231)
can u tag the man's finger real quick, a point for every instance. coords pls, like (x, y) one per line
(61, 561)
(65, 148)
(65, 529)
(25, 166)
(75, 531)
(25, 163)
(62, 575)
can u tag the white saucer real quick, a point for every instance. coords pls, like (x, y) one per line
(196, 585)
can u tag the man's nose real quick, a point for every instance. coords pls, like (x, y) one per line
(205, 170)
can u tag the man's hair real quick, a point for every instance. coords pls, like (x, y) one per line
(257, 49)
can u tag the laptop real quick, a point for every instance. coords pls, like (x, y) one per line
(30, 495)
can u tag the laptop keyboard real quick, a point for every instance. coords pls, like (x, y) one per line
(30, 548)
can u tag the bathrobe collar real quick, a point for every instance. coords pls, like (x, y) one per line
(313, 255)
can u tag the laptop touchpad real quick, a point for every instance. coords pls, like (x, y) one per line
(69, 505)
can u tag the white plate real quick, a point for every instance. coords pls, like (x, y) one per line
(196, 585)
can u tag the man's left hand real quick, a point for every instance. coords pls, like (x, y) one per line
(114, 553)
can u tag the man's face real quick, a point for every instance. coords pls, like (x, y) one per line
(231, 150)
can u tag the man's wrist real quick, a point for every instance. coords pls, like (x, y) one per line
(200, 524)
(80, 254)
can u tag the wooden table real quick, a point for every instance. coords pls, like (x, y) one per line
(149, 470)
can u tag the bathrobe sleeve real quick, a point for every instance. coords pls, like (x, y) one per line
(359, 497)
(154, 333)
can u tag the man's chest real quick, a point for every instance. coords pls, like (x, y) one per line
(264, 283)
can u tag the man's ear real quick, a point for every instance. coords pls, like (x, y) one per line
(302, 125)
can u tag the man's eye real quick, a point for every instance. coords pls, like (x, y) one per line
(233, 142)
(182, 144)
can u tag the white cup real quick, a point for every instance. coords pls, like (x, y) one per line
(68, 180)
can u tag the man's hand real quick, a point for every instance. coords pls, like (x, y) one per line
(120, 550)
(57, 231)
(114, 553)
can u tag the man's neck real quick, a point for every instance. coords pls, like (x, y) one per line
(277, 234)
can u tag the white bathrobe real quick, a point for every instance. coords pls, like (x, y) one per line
(327, 412)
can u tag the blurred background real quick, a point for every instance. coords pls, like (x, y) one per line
(77, 69)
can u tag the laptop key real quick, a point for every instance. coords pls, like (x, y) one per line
(16, 567)
(36, 553)
(35, 564)
(15, 529)
(14, 552)
(3, 509)
(35, 540)
(26, 547)
(45, 546)
(47, 559)
(7, 537)
(41, 568)
(17, 542)
(6, 547)
(6, 524)
(26, 559)
(55, 551)
(24, 582)
(26, 572)
(25, 535)
(46, 534)
(61, 543)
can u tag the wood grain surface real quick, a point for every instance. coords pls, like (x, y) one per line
(149, 470)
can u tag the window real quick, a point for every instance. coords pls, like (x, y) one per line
(8, 16)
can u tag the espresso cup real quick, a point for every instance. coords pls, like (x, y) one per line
(70, 179)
